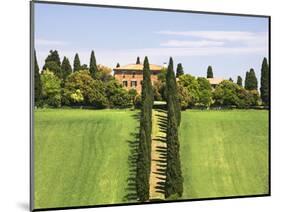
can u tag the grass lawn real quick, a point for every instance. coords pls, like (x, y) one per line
(224, 153)
(81, 156)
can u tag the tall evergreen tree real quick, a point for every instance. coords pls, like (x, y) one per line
(66, 68)
(239, 81)
(264, 89)
(53, 57)
(246, 82)
(93, 66)
(210, 72)
(117, 65)
(144, 150)
(174, 179)
(76, 63)
(179, 70)
(138, 60)
(52, 62)
(251, 82)
(37, 82)
(230, 79)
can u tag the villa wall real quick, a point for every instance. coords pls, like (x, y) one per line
(132, 76)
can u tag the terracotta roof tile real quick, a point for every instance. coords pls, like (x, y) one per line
(138, 67)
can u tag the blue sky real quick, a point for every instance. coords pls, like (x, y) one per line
(231, 44)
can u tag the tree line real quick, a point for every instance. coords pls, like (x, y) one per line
(59, 85)
(174, 180)
(198, 91)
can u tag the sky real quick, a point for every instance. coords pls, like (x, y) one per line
(230, 44)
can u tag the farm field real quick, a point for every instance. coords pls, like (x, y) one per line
(81, 156)
(224, 153)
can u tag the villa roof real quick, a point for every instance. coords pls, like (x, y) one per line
(215, 81)
(138, 67)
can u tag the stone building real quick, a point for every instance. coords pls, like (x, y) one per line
(131, 76)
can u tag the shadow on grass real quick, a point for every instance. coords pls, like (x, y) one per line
(131, 191)
(162, 151)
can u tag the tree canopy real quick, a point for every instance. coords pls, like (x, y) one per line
(66, 68)
(264, 89)
(144, 149)
(54, 57)
(51, 89)
(93, 65)
(76, 63)
(138, 60)
(210, 72)
(179, 70)
(251, 82)
(37, 83)
(174, 179)
(239, 81)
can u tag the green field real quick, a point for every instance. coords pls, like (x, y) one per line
(81, 156)
(224, 153)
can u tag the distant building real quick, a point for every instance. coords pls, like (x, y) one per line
(131, 76)
(215, 81)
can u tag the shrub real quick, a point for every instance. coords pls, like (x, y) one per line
(51, 89)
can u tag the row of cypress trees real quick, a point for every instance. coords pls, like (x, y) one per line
(61, 69)
(144, 149)
(174, 179)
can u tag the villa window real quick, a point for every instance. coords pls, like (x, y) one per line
(133, 84)
(134, 73)
(123, 73)
(125, 83)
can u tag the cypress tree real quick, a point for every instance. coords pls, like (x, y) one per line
(52, 62)
(76, 63)
(53, 57)
(251, 82)
(37, 82)
(179, 70)
(246, 83)
(264, 89)
(144, 150)
(66, 68)
(174, 179)
(117, 65)
(138, 60)
(210, 72)
(239, 81)
(230, 79)
(93, 66)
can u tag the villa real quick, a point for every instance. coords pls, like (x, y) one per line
(215, 81)
(131, 76)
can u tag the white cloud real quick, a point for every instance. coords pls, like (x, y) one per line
(44, 42)
(191, 44)
(220, 35)
(204, 43)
